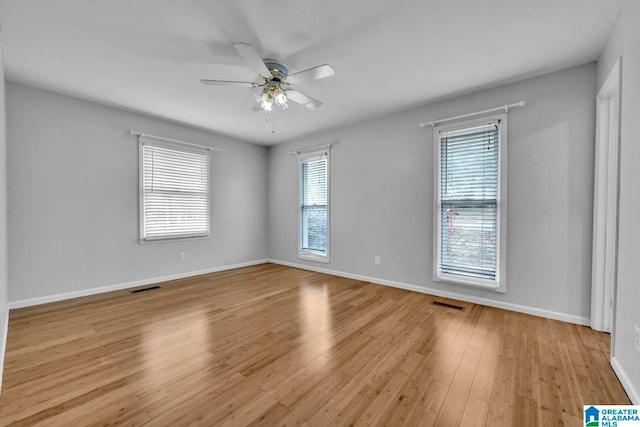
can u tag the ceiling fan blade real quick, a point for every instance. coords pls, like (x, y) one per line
(303, 99)
(315, 73)
(250, 55)
(227, 83)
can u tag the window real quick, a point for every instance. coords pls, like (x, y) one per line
(314, 206)
(174, 191)
(470, 205)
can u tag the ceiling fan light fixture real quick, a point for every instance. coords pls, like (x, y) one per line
(266, 102)
(280, 97)
(271, 94)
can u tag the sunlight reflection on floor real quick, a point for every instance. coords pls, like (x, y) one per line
(315, 319)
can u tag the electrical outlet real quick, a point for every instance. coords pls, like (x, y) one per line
(182, 256)
(637, 337)
(376, 260)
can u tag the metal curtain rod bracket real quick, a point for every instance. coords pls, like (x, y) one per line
(162, 138)
(505, 108)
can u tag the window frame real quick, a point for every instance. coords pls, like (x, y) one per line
(303, 158)
(499, 283)
(177, 146)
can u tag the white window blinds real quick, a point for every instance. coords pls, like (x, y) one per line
(314, 197)
(174, 191)
(469, 202)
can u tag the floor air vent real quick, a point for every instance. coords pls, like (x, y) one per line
(444, 304)
(145, 289)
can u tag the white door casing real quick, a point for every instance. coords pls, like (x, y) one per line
(605, 211)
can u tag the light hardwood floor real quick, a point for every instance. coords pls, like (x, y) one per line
(272, 345)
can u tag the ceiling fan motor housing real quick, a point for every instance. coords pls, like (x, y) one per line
(278, 71)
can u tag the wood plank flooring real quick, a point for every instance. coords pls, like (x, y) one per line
(272, 345)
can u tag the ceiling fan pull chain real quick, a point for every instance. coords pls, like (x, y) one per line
(273, 122)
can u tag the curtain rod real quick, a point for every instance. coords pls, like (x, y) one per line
(161, 138)
(303, 150)
(477, 113)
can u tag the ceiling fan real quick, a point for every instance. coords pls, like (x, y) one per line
(275, 81)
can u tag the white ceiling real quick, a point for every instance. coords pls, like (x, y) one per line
(149, 55)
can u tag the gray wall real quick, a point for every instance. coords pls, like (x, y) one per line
(4, 309)
(382, 194)
(625, 41)
(73, 198)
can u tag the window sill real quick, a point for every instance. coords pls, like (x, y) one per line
(172, 239)
(488, 285)
(310, 256)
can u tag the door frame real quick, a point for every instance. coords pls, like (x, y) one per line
(605, 203)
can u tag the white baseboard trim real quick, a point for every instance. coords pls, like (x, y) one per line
(445, 294)
(3, 345)
(422, 289)
(626, 382)
(93, 291)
